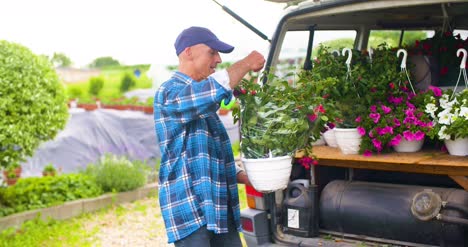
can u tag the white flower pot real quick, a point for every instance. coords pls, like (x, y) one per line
(348, 140)
(319, 142)
(329, 137)
(458, 146)
(268, 174)
(408, 146)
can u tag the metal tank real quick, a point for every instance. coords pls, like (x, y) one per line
(405, 213)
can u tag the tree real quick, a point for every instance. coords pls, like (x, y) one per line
(104, 62)
(61, 60)
(32, 102)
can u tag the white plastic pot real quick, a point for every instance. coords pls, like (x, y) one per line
(348, 140)
(329, 137)
(268, 174)
(458, 147)
(408, 146)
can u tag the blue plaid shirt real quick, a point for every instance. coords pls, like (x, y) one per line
(197, 163)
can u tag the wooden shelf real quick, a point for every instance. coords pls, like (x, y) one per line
(429, 162)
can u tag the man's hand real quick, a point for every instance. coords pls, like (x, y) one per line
(253, 62)
(243, 179)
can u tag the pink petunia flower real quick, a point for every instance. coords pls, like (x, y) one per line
(437, 91)
(375, 117)
(312, 117)
(395, 141)
(377, 144)
(386, 109)
(361, 131)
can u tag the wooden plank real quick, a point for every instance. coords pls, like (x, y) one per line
(461, 180)
(429, 162)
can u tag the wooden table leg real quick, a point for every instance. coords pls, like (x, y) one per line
(461, 180)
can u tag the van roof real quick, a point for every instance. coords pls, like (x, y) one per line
(379, 14)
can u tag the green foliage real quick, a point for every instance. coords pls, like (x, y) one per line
(131, 175)
(336, 44)
(61, 60)
(95, 85)
(127, 83)
(40, 192)
(277, 117)
(104, 62)
(49, 168)
(74, 92)
(236, 148)
(51, 233)
(392, 38)
(32, 102)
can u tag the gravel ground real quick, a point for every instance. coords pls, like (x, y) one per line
(130, 224)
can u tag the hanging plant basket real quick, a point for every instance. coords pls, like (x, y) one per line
(458, 147)
(268, 174)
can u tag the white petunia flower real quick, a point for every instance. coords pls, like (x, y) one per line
(464, 112)
(442, 135)
(445, 103)
(431, 108)
(445, 117)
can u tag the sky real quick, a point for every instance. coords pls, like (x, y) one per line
(132, 31)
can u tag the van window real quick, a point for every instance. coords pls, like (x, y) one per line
(392, 37)
(294, 48)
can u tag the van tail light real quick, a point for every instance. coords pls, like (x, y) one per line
(247, 224)
(255, 199)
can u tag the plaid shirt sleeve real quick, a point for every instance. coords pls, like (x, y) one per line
(197, 175)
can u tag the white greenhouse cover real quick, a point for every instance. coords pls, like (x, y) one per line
(90, 135)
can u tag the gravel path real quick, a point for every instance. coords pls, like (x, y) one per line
(130, 225)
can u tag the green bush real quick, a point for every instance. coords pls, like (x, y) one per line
(33, 106)
(95, 85)
(41, 192)
(118, 174)
(74, 92)
(128, 82)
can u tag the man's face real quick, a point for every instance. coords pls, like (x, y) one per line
(204, 61)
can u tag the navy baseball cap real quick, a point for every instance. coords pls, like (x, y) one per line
(200, 35)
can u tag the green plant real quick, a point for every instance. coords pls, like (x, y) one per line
(128, 81)
(348, 94)
(11, 174)
(40, 192)
(278, 118)
(49, 168)
(131, 175)
(32, 102)
(74, 92)
(95, 85)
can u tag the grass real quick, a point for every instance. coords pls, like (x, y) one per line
(79, 231)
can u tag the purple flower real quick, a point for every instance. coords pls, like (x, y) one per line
(386, 109)
(395, 141)
(361, 131)
(437, 91)
(367, 153)
(373, 108)
(396, 122)
(419, 135)
(375, 117)
(409, 136)
(358, 119)
(377, 144)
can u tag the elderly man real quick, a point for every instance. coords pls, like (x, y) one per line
(198, 176)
